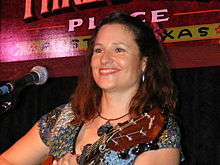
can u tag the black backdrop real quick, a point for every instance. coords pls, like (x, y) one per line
(198, 111)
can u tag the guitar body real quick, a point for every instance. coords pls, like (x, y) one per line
(48, 161)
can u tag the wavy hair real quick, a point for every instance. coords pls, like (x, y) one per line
(156, 90)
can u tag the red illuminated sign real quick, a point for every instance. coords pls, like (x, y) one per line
(55, 6)
(80, 2)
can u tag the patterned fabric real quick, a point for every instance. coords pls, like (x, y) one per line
(57, 132)
(60, 136)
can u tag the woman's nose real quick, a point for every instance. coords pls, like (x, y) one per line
(106, 57)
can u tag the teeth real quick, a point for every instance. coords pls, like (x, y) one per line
(106, 71)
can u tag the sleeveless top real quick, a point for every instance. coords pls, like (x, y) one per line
(57, 132)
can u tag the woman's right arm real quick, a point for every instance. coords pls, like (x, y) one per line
(30, 149)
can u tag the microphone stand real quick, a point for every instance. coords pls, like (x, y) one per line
(5, 106)
(8, 101)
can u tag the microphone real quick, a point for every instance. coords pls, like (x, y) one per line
(38, 76)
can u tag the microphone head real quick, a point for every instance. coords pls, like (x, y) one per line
(42, 74)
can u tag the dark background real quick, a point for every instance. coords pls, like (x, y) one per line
(198, 111)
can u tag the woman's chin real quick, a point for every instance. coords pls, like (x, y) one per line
(106, 83)
(107, 87)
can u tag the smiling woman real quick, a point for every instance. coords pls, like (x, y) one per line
(122, 112)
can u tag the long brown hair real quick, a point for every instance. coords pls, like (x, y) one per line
(156, 90)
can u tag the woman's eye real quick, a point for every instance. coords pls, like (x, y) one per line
(97, 50)
(119, 50)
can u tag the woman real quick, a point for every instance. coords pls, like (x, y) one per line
(126, 76)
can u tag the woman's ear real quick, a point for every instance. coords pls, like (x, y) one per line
(144, 62)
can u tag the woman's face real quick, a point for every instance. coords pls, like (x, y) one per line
(116, 62)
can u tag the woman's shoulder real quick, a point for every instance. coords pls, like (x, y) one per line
(170, 136)
(56, 127)
(58, 118)
(63, 112)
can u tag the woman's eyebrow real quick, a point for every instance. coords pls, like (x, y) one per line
(97, 44)
(120, 43)
(114, 44)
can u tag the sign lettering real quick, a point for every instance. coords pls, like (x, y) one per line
(55, 6)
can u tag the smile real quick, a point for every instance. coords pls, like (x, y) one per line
(108, 71)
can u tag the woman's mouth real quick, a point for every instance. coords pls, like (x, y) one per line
(108, 71)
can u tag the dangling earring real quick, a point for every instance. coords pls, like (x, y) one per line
(144, 65)
(143, 77)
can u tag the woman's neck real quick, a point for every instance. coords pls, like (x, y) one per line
(116, 104)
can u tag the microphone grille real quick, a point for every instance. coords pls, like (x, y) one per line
(42, 74)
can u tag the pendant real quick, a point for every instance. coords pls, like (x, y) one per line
(104, 129)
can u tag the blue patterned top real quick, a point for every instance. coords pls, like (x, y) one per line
(60, 136)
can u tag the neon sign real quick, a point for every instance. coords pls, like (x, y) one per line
(56, 5)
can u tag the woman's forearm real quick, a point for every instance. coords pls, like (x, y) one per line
(3, 161)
